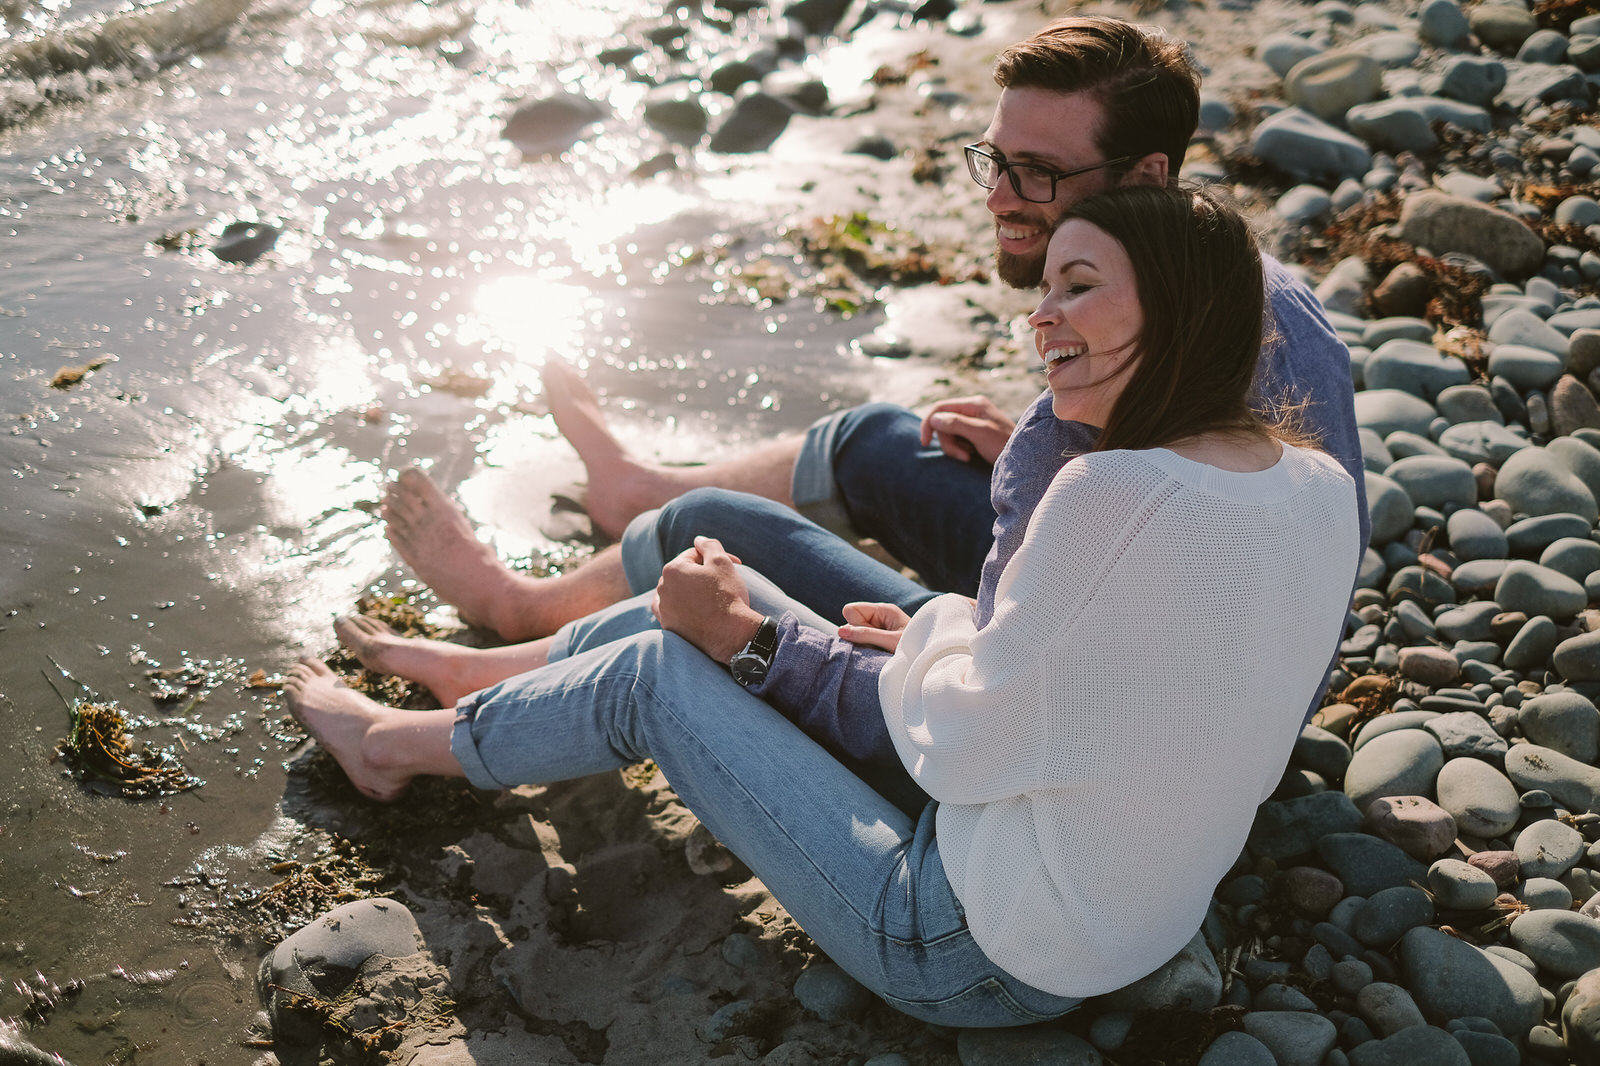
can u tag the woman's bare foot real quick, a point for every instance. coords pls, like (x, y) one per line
(620, 486)
(433, 536)
(438, 664)
(342, 720)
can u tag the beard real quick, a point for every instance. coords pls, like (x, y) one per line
(1020, 271)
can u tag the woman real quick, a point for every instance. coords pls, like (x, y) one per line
(1090, 740)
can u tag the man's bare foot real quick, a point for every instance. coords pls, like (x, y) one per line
(433, 536)
(342, 719)
(620, 486)
(438, 664)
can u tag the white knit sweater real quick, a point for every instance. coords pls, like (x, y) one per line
(1100, 748)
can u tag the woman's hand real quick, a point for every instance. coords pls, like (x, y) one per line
(702, 598)
(875, 625)
(971, 425)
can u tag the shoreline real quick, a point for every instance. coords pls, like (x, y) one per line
(594, 922)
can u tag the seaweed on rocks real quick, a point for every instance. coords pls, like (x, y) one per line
(1561, 14)
(402, 614)
(1176, 1037)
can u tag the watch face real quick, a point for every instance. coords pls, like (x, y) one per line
(748, 668)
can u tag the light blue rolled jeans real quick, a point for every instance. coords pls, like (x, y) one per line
(861, 876)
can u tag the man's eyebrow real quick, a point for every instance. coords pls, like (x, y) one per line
(1026, 158)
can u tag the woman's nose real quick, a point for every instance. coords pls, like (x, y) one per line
(1042, 315)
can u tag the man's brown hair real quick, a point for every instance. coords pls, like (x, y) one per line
(1144, 79)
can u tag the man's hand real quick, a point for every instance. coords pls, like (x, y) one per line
(702, 598)
(874, 625)
(971, 425)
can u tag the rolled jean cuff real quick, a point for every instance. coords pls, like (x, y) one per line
(641, 552)
(813, 488)
(465, 748)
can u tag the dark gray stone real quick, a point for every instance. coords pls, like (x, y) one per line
(1036, 1047)
(1295, 1038)
(755, 122)
(1388, 914)
(553, 124)
(1283, 830)
(1368, 865)
(1237, 1049)
(1450, 978)
(831, 994)
(1419, 1046)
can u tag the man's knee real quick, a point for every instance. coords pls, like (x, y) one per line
(874, 423)
(705, 512)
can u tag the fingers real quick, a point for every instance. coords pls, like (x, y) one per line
(712, 553)
(951, 434)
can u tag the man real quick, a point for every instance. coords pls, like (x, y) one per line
(1085, 104)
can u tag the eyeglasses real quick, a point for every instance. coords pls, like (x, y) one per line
(1037, 185)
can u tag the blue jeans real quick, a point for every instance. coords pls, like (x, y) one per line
(812, 566)
(862, 877)
(865, 472)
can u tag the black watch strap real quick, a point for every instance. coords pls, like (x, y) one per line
(750, 665)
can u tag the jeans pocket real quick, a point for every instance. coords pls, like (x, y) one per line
(988, 1003)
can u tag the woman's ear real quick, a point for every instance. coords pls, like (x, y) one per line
(1150, 169)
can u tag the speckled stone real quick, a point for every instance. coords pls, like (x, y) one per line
(1415, 824)
(1502, 866)
(1549, 848)
(1575, 784)
(1430, 666)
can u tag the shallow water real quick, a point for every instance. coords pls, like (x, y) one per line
(203, 494)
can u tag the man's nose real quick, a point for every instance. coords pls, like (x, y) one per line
(1002, 199)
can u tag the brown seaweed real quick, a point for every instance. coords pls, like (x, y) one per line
(98, 748)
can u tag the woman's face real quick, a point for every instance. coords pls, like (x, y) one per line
(1087, 322)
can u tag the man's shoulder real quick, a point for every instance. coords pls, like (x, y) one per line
(1299, 323)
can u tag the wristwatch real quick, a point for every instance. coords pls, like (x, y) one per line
(750, 665)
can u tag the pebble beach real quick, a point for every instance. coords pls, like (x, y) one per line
(1423, 889)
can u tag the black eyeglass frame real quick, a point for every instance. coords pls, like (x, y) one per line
(974, 153)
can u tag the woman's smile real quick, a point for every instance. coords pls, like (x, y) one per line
(1086, 327)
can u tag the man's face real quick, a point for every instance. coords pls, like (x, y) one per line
(1051, 130)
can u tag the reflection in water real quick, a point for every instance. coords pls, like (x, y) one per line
(209, 492)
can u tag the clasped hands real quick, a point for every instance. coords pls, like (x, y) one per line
(701, 597)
